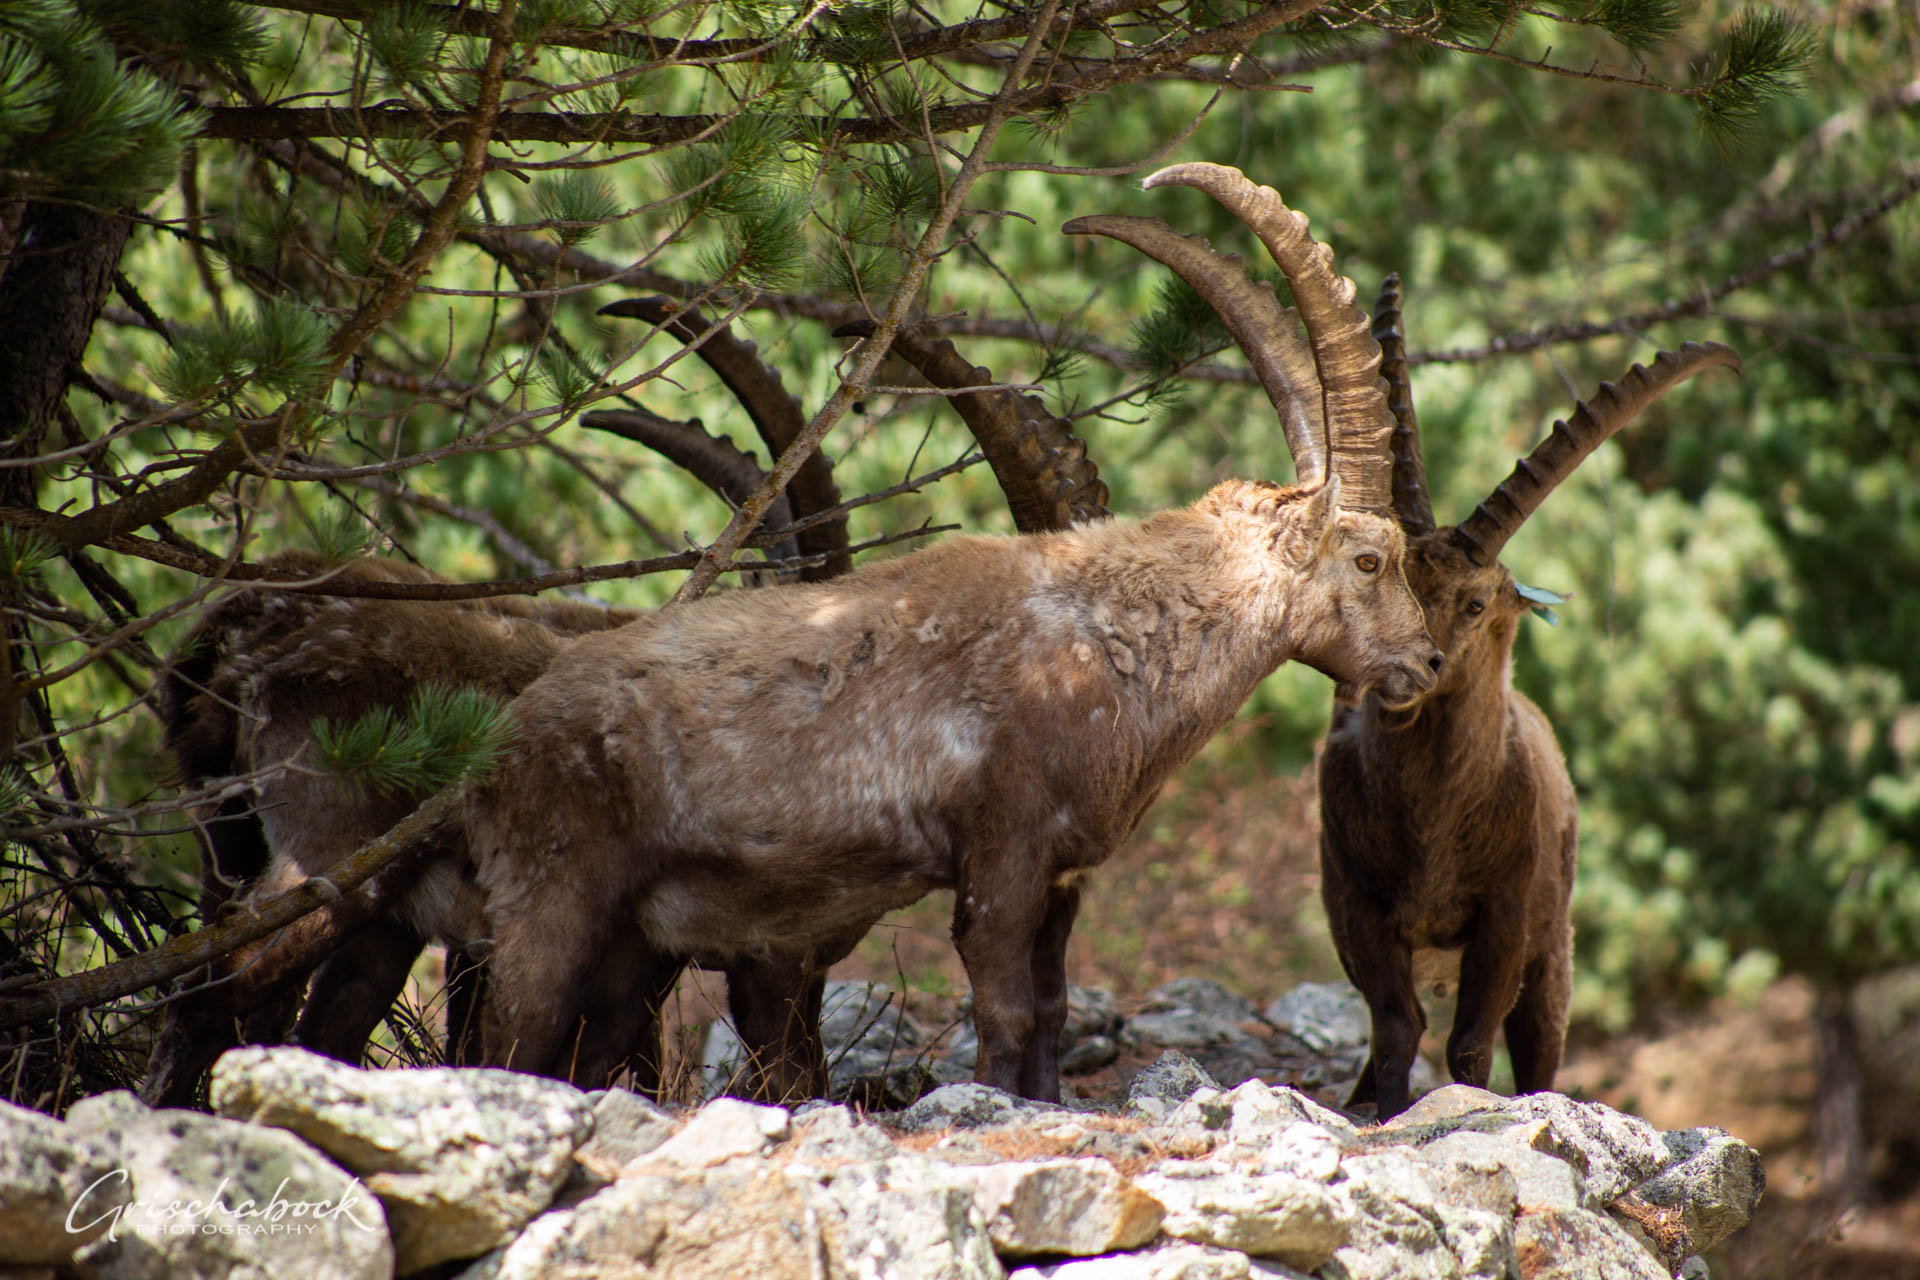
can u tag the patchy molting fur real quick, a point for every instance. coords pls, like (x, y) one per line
(759, 777)
(1447, 846)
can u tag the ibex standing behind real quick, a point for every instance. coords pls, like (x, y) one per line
(770, 772)
(1448, 827)
(242, 698)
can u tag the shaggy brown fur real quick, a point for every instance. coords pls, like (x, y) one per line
(242, 697)
(759, 776)
(1448, 828)
(1447, 846)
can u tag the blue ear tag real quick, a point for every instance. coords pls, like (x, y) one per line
(1541, 598)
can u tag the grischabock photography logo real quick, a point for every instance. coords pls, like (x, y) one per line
(217, 1213)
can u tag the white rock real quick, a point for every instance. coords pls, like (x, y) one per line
(1298, 1221)
(1075, 1207)
(721, 1130)
(45, 1170)
(1540, 1181)
(1573, 1244)
(213, 1197)
(460, 1158)
(1715, 1181)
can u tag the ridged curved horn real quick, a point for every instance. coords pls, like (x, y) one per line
(1355, 403)
(1411, 502)
(776, 414)
(1042, 466)
(714, 461)
(1266, 331)
(1483, 534)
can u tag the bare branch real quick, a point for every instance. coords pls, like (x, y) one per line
(1692, 305)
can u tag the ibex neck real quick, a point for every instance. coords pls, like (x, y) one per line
(1462, 730)
(1189, 614)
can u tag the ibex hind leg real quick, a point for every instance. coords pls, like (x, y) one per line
(775, 1004)
(543, 960)
(466, 997)
(355, 987)
(619, 1028)
(1537, 1027)
(1040, 1067)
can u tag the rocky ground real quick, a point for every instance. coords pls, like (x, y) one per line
(1206, 1164)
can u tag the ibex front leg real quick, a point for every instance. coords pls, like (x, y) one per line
(1489, 983)
(1386, 981)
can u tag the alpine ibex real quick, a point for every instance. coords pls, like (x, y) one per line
(1448, 826)
(767, 773)
(247, 688)
(242, 698)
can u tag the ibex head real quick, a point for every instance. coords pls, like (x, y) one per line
(1473, 607)
(1347, 547)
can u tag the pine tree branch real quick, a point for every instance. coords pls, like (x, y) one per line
(215, 568)
(929, 249)
(639, 46)
(605, 128)
(141, 509)
(337, 894)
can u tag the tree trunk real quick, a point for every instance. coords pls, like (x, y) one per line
(58, 265)
(1840, 1110)
(56, 281)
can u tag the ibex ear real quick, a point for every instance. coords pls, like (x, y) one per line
(1323, 502)
(1309, 535)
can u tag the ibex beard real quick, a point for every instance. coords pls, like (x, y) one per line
(754, 779)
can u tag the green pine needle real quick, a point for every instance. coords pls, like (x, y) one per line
(265, 228)
(764, 245)
(74, 121)
(340, 535)
(731, 171)
(578, 202)
(860, 34)
(1762, 58)
(854, 274)
(24, 553)
(374, 238)
(1179, 329)
(1063, 360)
(441, 737)
(206, 360)
(564, 377)
(1640, 25)
(406, 42)
(538, 16)
(283, 346)
(902, 191)
(288, 350)
(218, 36)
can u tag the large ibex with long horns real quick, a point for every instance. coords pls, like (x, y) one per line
(243, 697)
(767, 773)
(1448, 826)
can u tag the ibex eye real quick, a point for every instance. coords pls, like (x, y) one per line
(1476, 607)
(1367, 563)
